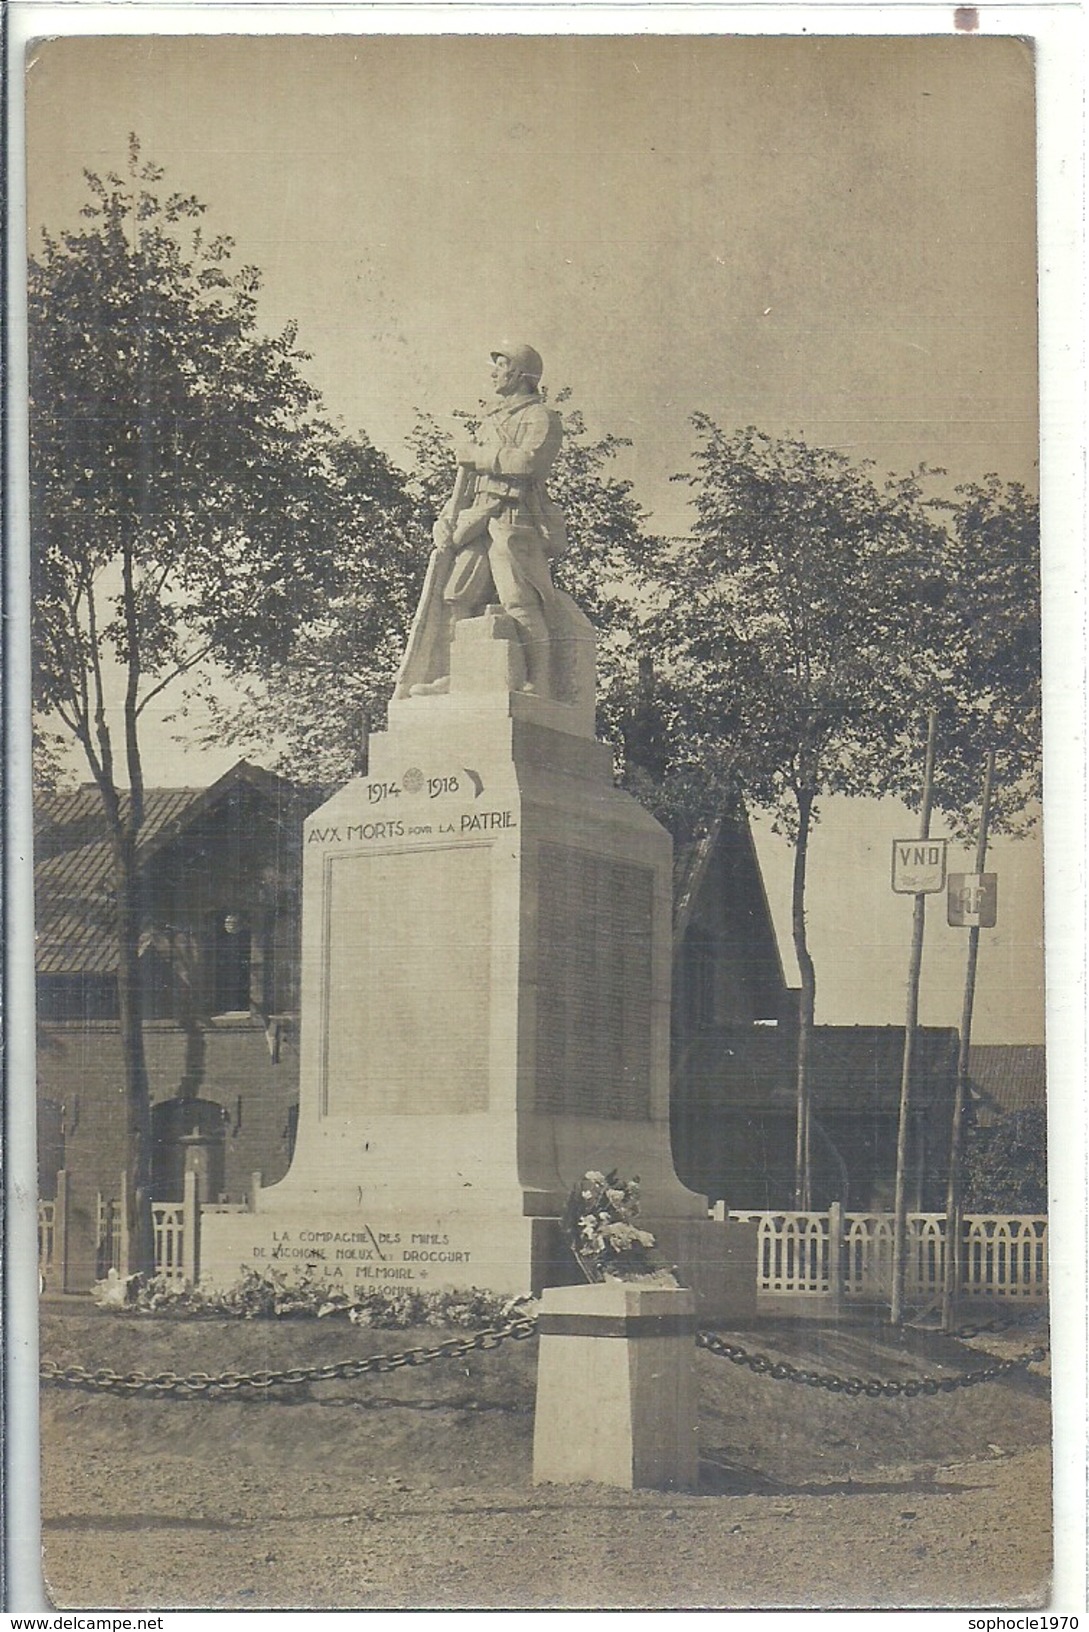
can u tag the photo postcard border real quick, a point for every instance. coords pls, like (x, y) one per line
(1058, 32)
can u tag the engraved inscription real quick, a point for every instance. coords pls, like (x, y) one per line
(593, 985)
(408, 975)
(481, 821)
(347, 1260)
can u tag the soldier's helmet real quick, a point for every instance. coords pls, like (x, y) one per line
(523, 357)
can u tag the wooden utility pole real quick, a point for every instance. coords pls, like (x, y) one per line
(899, 1230)
(953, 1196)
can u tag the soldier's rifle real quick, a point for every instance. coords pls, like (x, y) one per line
(438, 570)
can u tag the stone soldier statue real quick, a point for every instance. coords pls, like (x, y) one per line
(496, 536)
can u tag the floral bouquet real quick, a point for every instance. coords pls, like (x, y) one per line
(598, 1224)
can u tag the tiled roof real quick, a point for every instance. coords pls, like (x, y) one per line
(851, 1067)
(73, 818)
(73, 875)
(73, 880)
(1007, 1077)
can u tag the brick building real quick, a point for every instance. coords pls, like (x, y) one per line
(1005, 1079)
(219, 871)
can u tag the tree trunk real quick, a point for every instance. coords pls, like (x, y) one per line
(806, 1007)
(130, 1017)
(129, 981)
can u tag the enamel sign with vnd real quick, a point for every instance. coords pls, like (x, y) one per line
(973, 900)
(918, 866)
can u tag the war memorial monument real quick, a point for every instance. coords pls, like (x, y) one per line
(486, 941)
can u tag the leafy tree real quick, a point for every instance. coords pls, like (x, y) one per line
(48, 767)
(984, 672)
(987, 692)
(309, 704)
(789, 639)
(804, 630)
(1006, 1164)
(185, 491)
(343, 663)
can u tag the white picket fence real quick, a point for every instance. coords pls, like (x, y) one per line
(175, 1233)
(169, 1232)
(800, 1255)
(849, 1255)
(173, 1225)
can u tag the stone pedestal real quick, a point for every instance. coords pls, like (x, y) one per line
(485, 994)
(616, 1388)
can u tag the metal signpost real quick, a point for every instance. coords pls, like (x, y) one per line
(973, 903)
(918, 868)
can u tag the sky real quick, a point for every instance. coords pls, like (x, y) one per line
(831, 238)
(828, 237)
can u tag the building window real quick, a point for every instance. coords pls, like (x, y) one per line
(232, 955)
(77, 997)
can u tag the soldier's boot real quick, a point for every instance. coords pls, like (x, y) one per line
(535, 647)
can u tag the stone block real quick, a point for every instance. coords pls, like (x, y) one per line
(717, 1259)
(486, 655)
(616, 1387)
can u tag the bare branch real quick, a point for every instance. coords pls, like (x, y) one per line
(180, 668)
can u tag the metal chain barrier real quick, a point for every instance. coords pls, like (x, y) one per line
(231, 1382)
(103, 1379)
(1002, 1323)
(871, 1387)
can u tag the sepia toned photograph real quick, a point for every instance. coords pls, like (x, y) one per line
(536, 669)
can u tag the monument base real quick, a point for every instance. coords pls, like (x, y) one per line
(429, 1251)
(486, 969)
(616, 1388)
(356, 1253)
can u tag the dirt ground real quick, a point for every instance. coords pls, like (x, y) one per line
(413, 1489)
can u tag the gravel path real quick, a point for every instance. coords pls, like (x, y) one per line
(414, 1490)
(312, 1542)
